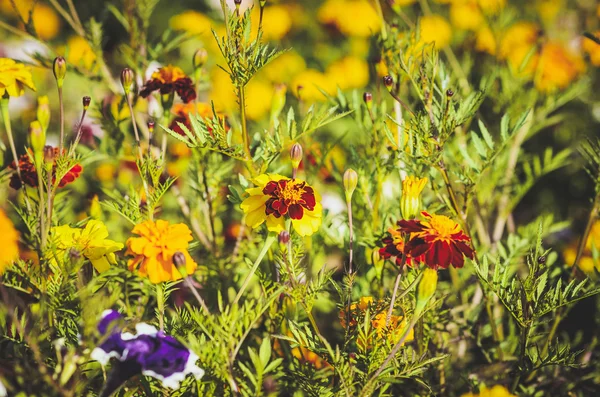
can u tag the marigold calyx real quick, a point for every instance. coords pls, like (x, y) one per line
(350, 182)
(127, 79)
(296, 155)
(200, 57)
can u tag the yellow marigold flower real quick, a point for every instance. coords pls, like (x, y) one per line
(593, 49)
(277, 22)
(45, 20)
(491, 6)
(548, 10)
(259, 94)
(153, 250)
(192, 22)
(349, 72)
(394, 330)
(90, 241)
(222, 92)
(586, 263)
(485, 41)
(306, 85)
(496, 391)
(10, 242)
(344, 14)
(557, 67)
(79, 53)
(276, 198)
(410, 202)
(466, 15)
(285, 67)
(435, 29)
(521, 34)
(14, 77)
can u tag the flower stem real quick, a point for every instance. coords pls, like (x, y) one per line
(160, 304)
(78, 134)
(397, 283)
(188, 283)
(350, 255)
(268, 242)
(245, 137)
(62, 119)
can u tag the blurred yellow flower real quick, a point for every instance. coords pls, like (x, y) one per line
(90, 242)
(435, 29)
(592, 48)
(259, 95)
(14, 77)
(521, 34)
(10, 242)
(105, 172)
(307, 83)
(485, 41)
(351, 17)
(491, 6)
(548, 10)
(586, 264)
(277, 22)
(496, 391)
(349, 72)
(557, 67)
(285, 67)
(394, 330)
(80, 54)
(153, 250)
(45, 20)
(192, 22)
(466, 15)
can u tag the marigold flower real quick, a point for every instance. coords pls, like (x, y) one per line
(587, 263)
(394, 329)
(496, 391)
(592, 48)
(276, 198)
(90, 241)
(410, 202)
(170, 79)
(435, 29)
(439, 239)
(182, 113)
(153, 250)
(394, 248)
(10, 242)
(29, 172)
(557, 67)
(14, 77)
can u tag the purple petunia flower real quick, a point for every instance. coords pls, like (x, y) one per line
(149, 352)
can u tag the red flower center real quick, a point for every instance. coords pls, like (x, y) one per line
(289, 196)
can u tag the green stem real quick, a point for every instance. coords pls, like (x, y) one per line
(62, 119)
(160, 303)
(268, 242)
(245, 137)
(380, 13)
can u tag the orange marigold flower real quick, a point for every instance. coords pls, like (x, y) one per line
(170, 79)
(439, 239)
(29, 173)
(277, 197)
(10, 242)
(394, 248)
(153, 250)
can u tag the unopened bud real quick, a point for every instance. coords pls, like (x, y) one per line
(350, 182)
(284, 237)
(86, 100)
(426, 288)
(48, 157)
(388, 81)
(180, 262)
(59, 68)
(200, 58)
(368, 98)
(296, 155)
(151, 124)
(410, 201)
(237, 4)
(263, 3)
(43, 112)
(127, 79)
(37, 137)
(449, 93)
(395, 6)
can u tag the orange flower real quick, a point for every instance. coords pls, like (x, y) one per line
(153, 250)
(29, 173)
(439, 239)
(394, 248)
(10, 243)
(170, 79)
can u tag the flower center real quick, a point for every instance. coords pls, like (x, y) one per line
(444, 226)
(289, 196)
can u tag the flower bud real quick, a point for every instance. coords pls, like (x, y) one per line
(368, 98)
(284, 237)
(350, 182)
(151, 125)
(86, 100)
(179, 262)
(127, 79)
(388, 81)
(37, 137)
(59, 68)
(199, 58)
(263, 3)
(410, 201)
(426, 288)
(48, 157)
(296, 155)
(43, 112)
(237, 4)
(449, 93)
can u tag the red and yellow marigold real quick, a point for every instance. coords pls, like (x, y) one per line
(170, 79)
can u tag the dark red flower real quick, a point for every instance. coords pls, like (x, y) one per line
(289, 197)
(394, 248)
(170, 79)
(29, 173)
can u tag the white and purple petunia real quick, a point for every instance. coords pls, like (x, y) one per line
(149, 352)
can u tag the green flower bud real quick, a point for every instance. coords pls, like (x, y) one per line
(59, 68)
(410, 202)
(388, 81)
(179, 262)
(200, 58)
(127, 77)
(368, 98)
(350, 180)
(296, 155)
(37, 137)
(43, 112)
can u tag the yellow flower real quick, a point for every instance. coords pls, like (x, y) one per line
(410, 201)
(435, 29)
(557, 67)
(394, 330)
(593, 49)
(548, 10)
(277, 198)
(90, 241)
(485, 41)
(285, 67)
(496, 391)
(491, 6)
(222, 91)
(153, 250)
(349, 72)
(352, 17)
(45, 20)
(80, 54)
(192, 22)
(586, 263)
(259, 95)
(426, 287)
(10, 242)
(14, 77)
(466, 15)
(306, 85)
(277, 22)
